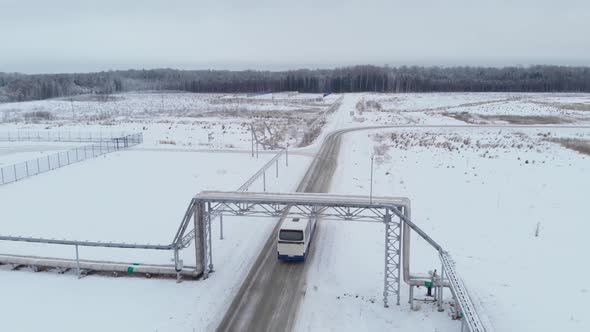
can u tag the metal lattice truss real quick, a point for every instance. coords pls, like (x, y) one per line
(296, 210)
(394, 213)
(207, 205)
(392, 258)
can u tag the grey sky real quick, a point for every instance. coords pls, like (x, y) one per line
(77, 35)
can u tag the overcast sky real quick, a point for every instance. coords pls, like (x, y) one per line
(48, 36)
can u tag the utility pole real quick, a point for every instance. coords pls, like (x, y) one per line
(252, 138)
(371, 186)
(73, 112)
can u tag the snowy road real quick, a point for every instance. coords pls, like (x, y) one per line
(269, 297)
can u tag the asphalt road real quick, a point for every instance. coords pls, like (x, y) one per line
(269, 296)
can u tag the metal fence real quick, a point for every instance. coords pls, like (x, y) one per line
(58, 136)
(19, 171)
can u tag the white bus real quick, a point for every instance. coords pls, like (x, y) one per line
(294, 238)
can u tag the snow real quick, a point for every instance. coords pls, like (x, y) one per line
(469, 201)
(438, 108)
(94, 107)
(16, 152)
(469, 198)
(131, 196)
(177, 120)
(479, 192)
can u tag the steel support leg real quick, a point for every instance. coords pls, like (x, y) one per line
(209, 246)
(177, 266)
(199, 221)
(385, 279)
(391, 282)
(440, 290)
(221, 226)
(77, 262)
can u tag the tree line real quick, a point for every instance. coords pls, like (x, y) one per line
(20, 87)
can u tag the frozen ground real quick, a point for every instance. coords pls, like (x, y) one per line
(130, 196)
(177, 120)
(476, 108)
(481, 193)
(483, 202)
(16, 152)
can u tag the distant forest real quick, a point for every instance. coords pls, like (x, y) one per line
(20, 87)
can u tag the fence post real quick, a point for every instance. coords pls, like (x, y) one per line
(2, 173)
(48, 164)
(58, 160)
(38, 167)
(14, 167)
(264, 180)
(27, 167)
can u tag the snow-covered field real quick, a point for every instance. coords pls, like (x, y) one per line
(481, 204)
(477, 108)
(17, 152)
(506, 202)
(177, 120)
(132, 196)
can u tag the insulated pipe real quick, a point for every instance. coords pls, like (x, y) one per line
(406, 232)
(96, 265)
(406, 245)
(88, 243)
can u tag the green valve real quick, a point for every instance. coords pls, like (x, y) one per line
(130, 269)
(428, 283)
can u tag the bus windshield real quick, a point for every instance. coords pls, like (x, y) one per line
(290, 235)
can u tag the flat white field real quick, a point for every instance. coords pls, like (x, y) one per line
(153, 104)
(472, 108)
(506, 202)
(177, 120)
(17, 152)
(508, 205)
(130, 196)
